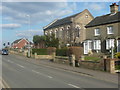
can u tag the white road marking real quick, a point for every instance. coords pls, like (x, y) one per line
(73, 86)
(41, 74)
(4, 84)
(35, 71)
(20, 66)
(49, 77)
(10, 61)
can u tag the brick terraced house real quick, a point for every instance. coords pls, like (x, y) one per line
(103, 32)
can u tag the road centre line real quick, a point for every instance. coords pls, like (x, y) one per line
(20, 66)
(49, 77)
(32, 70)
(16, 64)
(73, 86)
(10, 61)
(35, 71)
(42, 74)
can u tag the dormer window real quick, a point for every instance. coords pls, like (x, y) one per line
(110, 30)
(97, 32)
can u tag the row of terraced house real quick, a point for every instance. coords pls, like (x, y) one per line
(97, 34)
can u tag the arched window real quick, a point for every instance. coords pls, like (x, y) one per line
(68, 26)
(46, 33)
(61, 32)
(56, 33)
(77, 31)
(51, 32)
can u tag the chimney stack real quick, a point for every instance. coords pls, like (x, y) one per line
(114, 8)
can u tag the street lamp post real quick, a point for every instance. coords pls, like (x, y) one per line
(29, 41)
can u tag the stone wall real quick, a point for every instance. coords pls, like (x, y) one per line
(61, 60)
(48, 57)
(92, 65)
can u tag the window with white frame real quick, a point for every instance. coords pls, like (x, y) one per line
(90, 44)
(109, 43)
(97, 31)
(118, 45)
(110, 30)
(97, 45)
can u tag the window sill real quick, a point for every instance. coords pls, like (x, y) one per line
(110, 33)
(96, 35)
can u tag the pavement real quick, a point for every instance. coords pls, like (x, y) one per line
(19, 71)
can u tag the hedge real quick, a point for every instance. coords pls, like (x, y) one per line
(62, 52)
(40, 51)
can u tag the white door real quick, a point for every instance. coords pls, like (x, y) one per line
(85, 47)
(118, 45)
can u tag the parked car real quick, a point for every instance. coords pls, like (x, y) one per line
(4, 52)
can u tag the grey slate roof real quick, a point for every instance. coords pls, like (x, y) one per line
(62, 21)
(105, 19)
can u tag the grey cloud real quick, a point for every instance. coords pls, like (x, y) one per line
(28, 33)
(39, 11)
(10, 26)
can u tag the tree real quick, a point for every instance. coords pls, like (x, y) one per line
(38, 40)
(49, 41)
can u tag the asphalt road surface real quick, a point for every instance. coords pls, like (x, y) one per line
(19, 73)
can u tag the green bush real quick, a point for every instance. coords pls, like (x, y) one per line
(62, 52)
(117, 55)
(117, 67)
(40, 51)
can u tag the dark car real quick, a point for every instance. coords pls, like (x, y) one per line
(4, 52)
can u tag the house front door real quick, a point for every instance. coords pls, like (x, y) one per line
(85, 47)
(118, 45)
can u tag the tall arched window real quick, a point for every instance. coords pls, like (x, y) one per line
(68, 26)
(57, 32)
(77, 31)
(61, 32)
(68, 31)
(50, 32)
(46, 33)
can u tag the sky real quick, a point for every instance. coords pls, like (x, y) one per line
(26, 19)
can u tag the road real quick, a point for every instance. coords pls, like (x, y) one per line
(18, 72)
